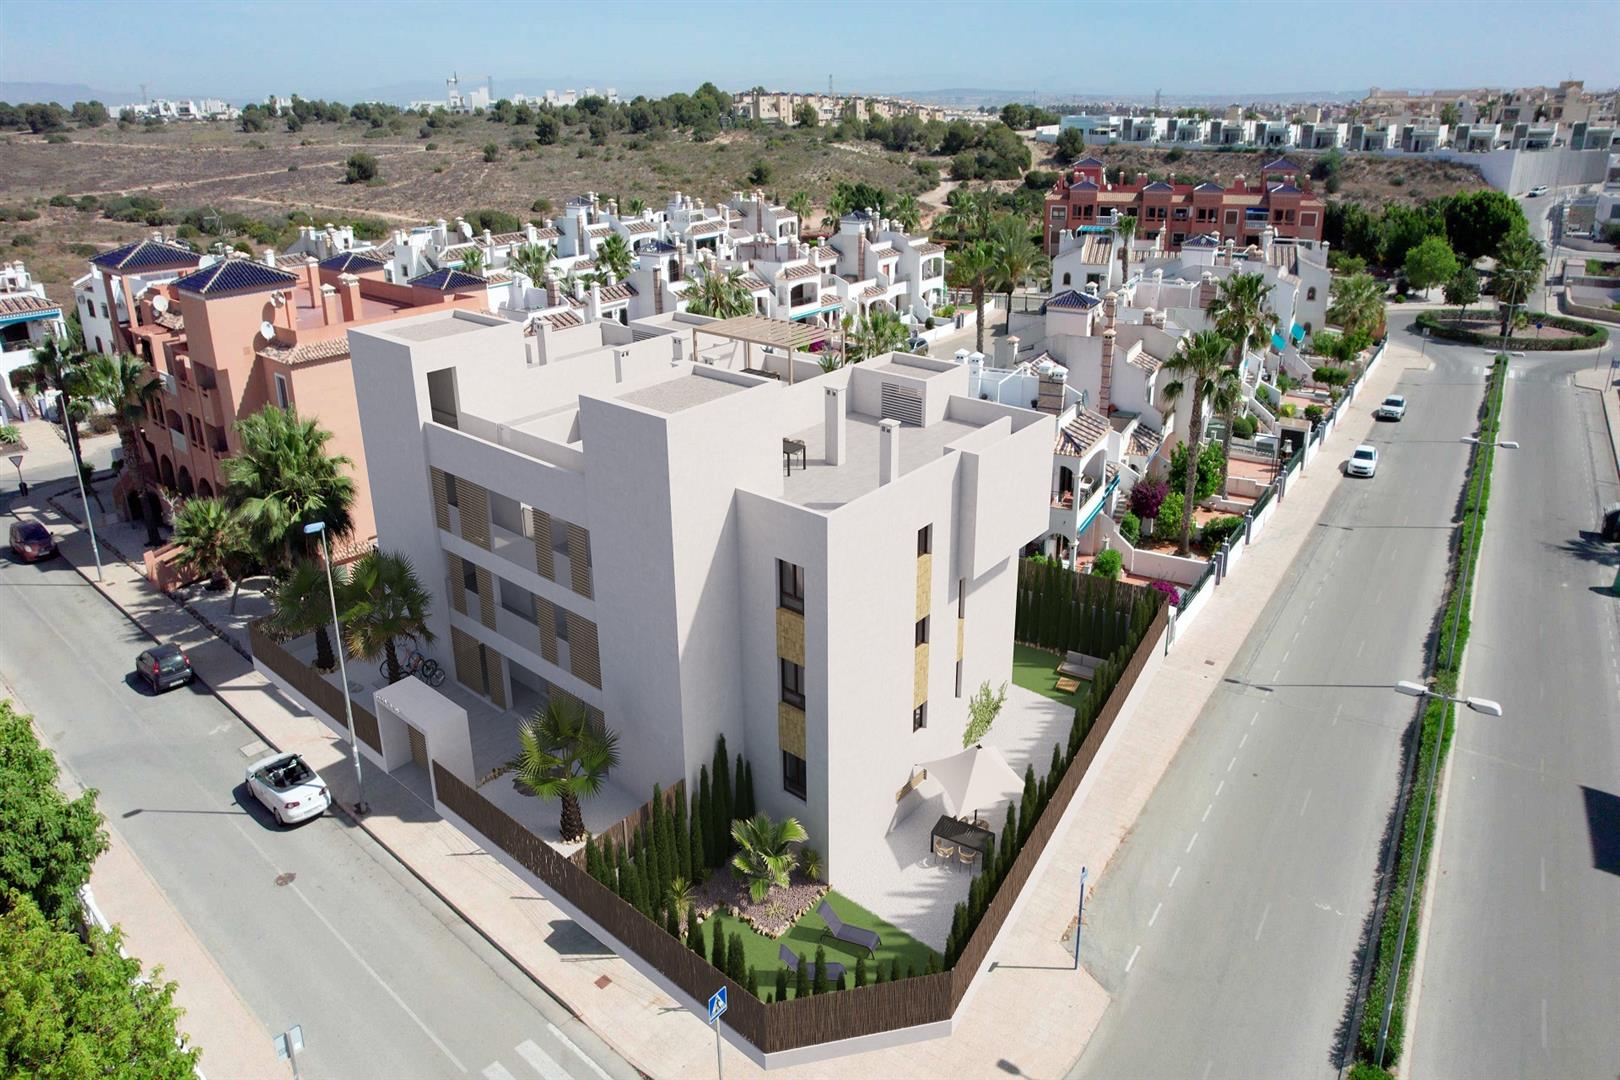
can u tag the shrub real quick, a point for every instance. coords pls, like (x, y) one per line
(1245, 426)
(1209, 469)
(1170, 592)
(360, 168)
(1130, 527)
(1168, 523)
(1109, 563)
(1222, 529)
(1314, 413)
(1147, 496)
(10, 433)
(492, 152)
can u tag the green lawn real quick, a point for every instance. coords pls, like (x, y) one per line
(803, 938)
(1036, 669)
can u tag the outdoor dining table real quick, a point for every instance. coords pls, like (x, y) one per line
(962, 834)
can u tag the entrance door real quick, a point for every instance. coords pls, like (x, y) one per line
(419, 753)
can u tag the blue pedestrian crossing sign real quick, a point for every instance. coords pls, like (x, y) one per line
(717, 1004)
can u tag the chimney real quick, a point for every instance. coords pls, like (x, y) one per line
(1105, 395)
(593, 303)
(834, 439)
(331, 308)
(269, 256)
(553, 289)
(888, 451)
(489, 240)
(618, 364)
(658, 287)
(530, 233)
(1007, 351)
(349, 296)
(312, 278)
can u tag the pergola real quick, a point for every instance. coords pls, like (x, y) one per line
(754, 330)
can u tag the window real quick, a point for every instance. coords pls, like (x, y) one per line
(789, 586)
(1231, 217)
(559, 622)
(1060, 213)
(793, 778)
(451, 496)
(1066, 276)
(792, 683)
(1310, 293)
(961, 598)
(919, 717)
(469, 576)
(283, 392)
(959, 678)
(925, 540)
(920, 632)
(1307, 218)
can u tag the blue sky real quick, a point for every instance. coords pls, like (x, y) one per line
(346, 48)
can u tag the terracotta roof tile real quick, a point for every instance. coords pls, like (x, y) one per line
(303, 354)
(26, 304)
(804, 270)
(1081, 434)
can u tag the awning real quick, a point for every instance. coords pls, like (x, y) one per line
(813, 312)
(978, 778)
(1277, 343)
(30, 316)
(1297, 333)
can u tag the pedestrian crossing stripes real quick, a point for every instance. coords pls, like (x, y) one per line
(537, 1062)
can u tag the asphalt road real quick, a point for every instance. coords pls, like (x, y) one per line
(1521, 975)
(1227, 925)
(316, 924)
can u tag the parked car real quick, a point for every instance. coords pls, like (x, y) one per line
(1392, 408)
(1537, 192)
(1364, 461)
(164, 667)
(31, 541)
(288, 788)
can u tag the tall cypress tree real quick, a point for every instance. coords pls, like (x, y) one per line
(717, 956)
(694, 933)
(801, 979)
(1026, 809)
(860, 971)
(752, 986)
(683, 837)
(724, 799)
(704, 821)
(700, 860)
(781, 983)
(1009, 837)
(818, 982)
(736, 959)
(748, 788)
(668, 857)
(593, 858)
(740, 808)
(621, 873)
(655, 839)
(672, 923)
(644, 865)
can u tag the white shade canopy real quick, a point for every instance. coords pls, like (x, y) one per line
(976, 779)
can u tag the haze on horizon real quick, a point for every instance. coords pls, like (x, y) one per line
(1239, 48)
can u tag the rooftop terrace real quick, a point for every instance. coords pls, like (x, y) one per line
(820, 486)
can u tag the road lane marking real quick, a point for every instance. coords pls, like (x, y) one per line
(1306, 803)
(1155, 916)
(540, 1061)
(1243, 741)
(566, 1041)
(1337, 709)
(1255, 717)
(1231, 763)
(1363, 645)
(1173, 878)
(498, 1071)
(1262, 925)
(1544, 873)
(1190, 843)
(1207, 809)
(1544, 1023)
(1132, 960)
(1219, 788)
(1286, 655)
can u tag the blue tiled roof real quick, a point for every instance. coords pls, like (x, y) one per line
(146, 255)
(1072, 300)
(1204, 240)
(235, 275)
(1084, 185)
(1281, 165)
(1209, 185)
(352, 262)
(1087, 162)
(1158, 185)
(449, 280)
(1286, 189)
(657, 247)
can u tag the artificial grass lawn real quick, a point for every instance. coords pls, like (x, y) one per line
(1036, 669)
(805, 935)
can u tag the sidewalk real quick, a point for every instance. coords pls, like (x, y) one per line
(1029, 1015)
(1603, 380)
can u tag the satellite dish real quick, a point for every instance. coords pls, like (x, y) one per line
(267, 330)
(160, 304)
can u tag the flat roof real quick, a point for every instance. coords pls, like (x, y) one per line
(820, 486)
(684, 392)
(434, 329)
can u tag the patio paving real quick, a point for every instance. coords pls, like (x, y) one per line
(901, 880)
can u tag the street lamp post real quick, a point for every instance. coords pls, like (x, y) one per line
(1485, 707)
(318, 528)
(78, 474)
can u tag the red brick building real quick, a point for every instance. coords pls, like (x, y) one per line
(1282, 199)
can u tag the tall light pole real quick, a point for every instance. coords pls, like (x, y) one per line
(1485, 707)
(78, 474)
(318, 528)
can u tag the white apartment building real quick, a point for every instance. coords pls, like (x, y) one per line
(106, 295)
(27, 319)
(820, 567)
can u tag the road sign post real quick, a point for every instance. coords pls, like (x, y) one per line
(717, 1009)
(289, 1044)
(1080, 919)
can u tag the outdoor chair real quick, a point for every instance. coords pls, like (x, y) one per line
(791, 960)
(968, 857)
(943, 850)
(853, 935)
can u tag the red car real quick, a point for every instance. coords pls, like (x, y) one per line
(31, 541)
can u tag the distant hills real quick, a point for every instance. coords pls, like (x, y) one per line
(63, 93)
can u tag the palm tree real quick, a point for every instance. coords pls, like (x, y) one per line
(878, 333)
(613, 256)
(383, 602)
(283, 479)
(300, 604)
(472, 261)
(907, 213)
(799, 203)
(128, 383)
(720, 294)
(634, 205)
(563, 757)
(967, 214)
(1519, 263)
(1240, 314)
(1125, 231)
(765, 855)
(532, 260)
(211, 541)
(1201, 364)
(1016, 258)
(58, 366)
(971, 267)
(1356, 303)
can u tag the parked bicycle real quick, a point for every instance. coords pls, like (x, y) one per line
(423, 667)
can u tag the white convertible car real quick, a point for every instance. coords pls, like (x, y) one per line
(288, 788)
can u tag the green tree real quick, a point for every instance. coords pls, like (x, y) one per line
(1124, 233)
(1478, 221)
(1430, 263)
(383, 601)
(1356, 303)
(533, 261)
(1071, 143)
(818, 982)
(968, 213)
(301, 603)
(806, 116)
(59, 365)
(361, 168)
(128, 384)
(875, 334)
(547, 128)
(74, 1009)
(47, 841)
(472, 261)
(1016, 258)
(720, 294)
(907, 213)
(563, 756)
(983, 708)
(1209, 469)
(283, 479)
(973, 266)
(799, 203)
(1242, 313)
(765, 856)
(613, 255)
(1200, 368)
(1519, 265)
(1463, 290)
(211, 541)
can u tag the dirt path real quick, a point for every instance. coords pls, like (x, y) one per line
(282, 204)
(176, 185)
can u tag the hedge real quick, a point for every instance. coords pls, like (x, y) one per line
(1592, 334)
(1434, 738)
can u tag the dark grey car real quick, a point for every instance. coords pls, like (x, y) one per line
(163, 667)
